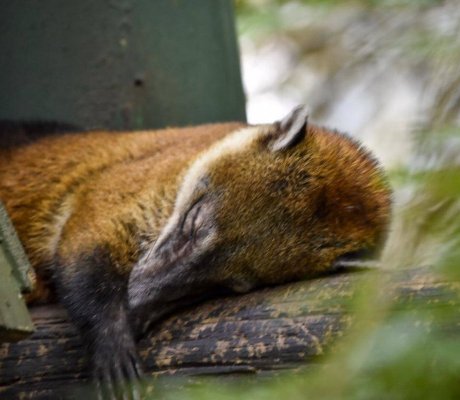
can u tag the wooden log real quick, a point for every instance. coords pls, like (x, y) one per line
(262, 331)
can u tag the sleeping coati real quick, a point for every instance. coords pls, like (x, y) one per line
(125, 227)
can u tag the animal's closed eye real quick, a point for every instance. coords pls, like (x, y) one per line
(192, 217)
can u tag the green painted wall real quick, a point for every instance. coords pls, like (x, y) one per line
(120, 63)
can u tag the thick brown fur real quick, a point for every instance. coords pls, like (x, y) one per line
(128, 226)
(343, 212)
(111, 188)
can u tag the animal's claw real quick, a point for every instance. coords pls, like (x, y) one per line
(118, 377)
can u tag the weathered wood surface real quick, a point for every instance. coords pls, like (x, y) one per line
(261, 331)
(15, 322)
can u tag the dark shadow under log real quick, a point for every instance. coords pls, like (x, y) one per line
(267, 330)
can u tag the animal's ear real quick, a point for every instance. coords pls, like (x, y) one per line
(290, 130)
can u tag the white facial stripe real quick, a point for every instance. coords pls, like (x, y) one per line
(233, 143)
(61, 217)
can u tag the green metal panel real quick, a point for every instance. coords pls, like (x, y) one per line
(120, 63)
(15, 322)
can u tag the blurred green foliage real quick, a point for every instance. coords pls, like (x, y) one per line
(245, 5)
(262, 14)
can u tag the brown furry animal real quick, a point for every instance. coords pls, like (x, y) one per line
(125, 227)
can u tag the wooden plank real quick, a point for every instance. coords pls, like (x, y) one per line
(257, 333)
(15, 322)
(13, 251)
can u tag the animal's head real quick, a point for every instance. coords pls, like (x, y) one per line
(265, 205)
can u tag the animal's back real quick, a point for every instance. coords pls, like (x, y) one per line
(71, 193)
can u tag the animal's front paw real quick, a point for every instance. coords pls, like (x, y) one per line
(117, 372)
